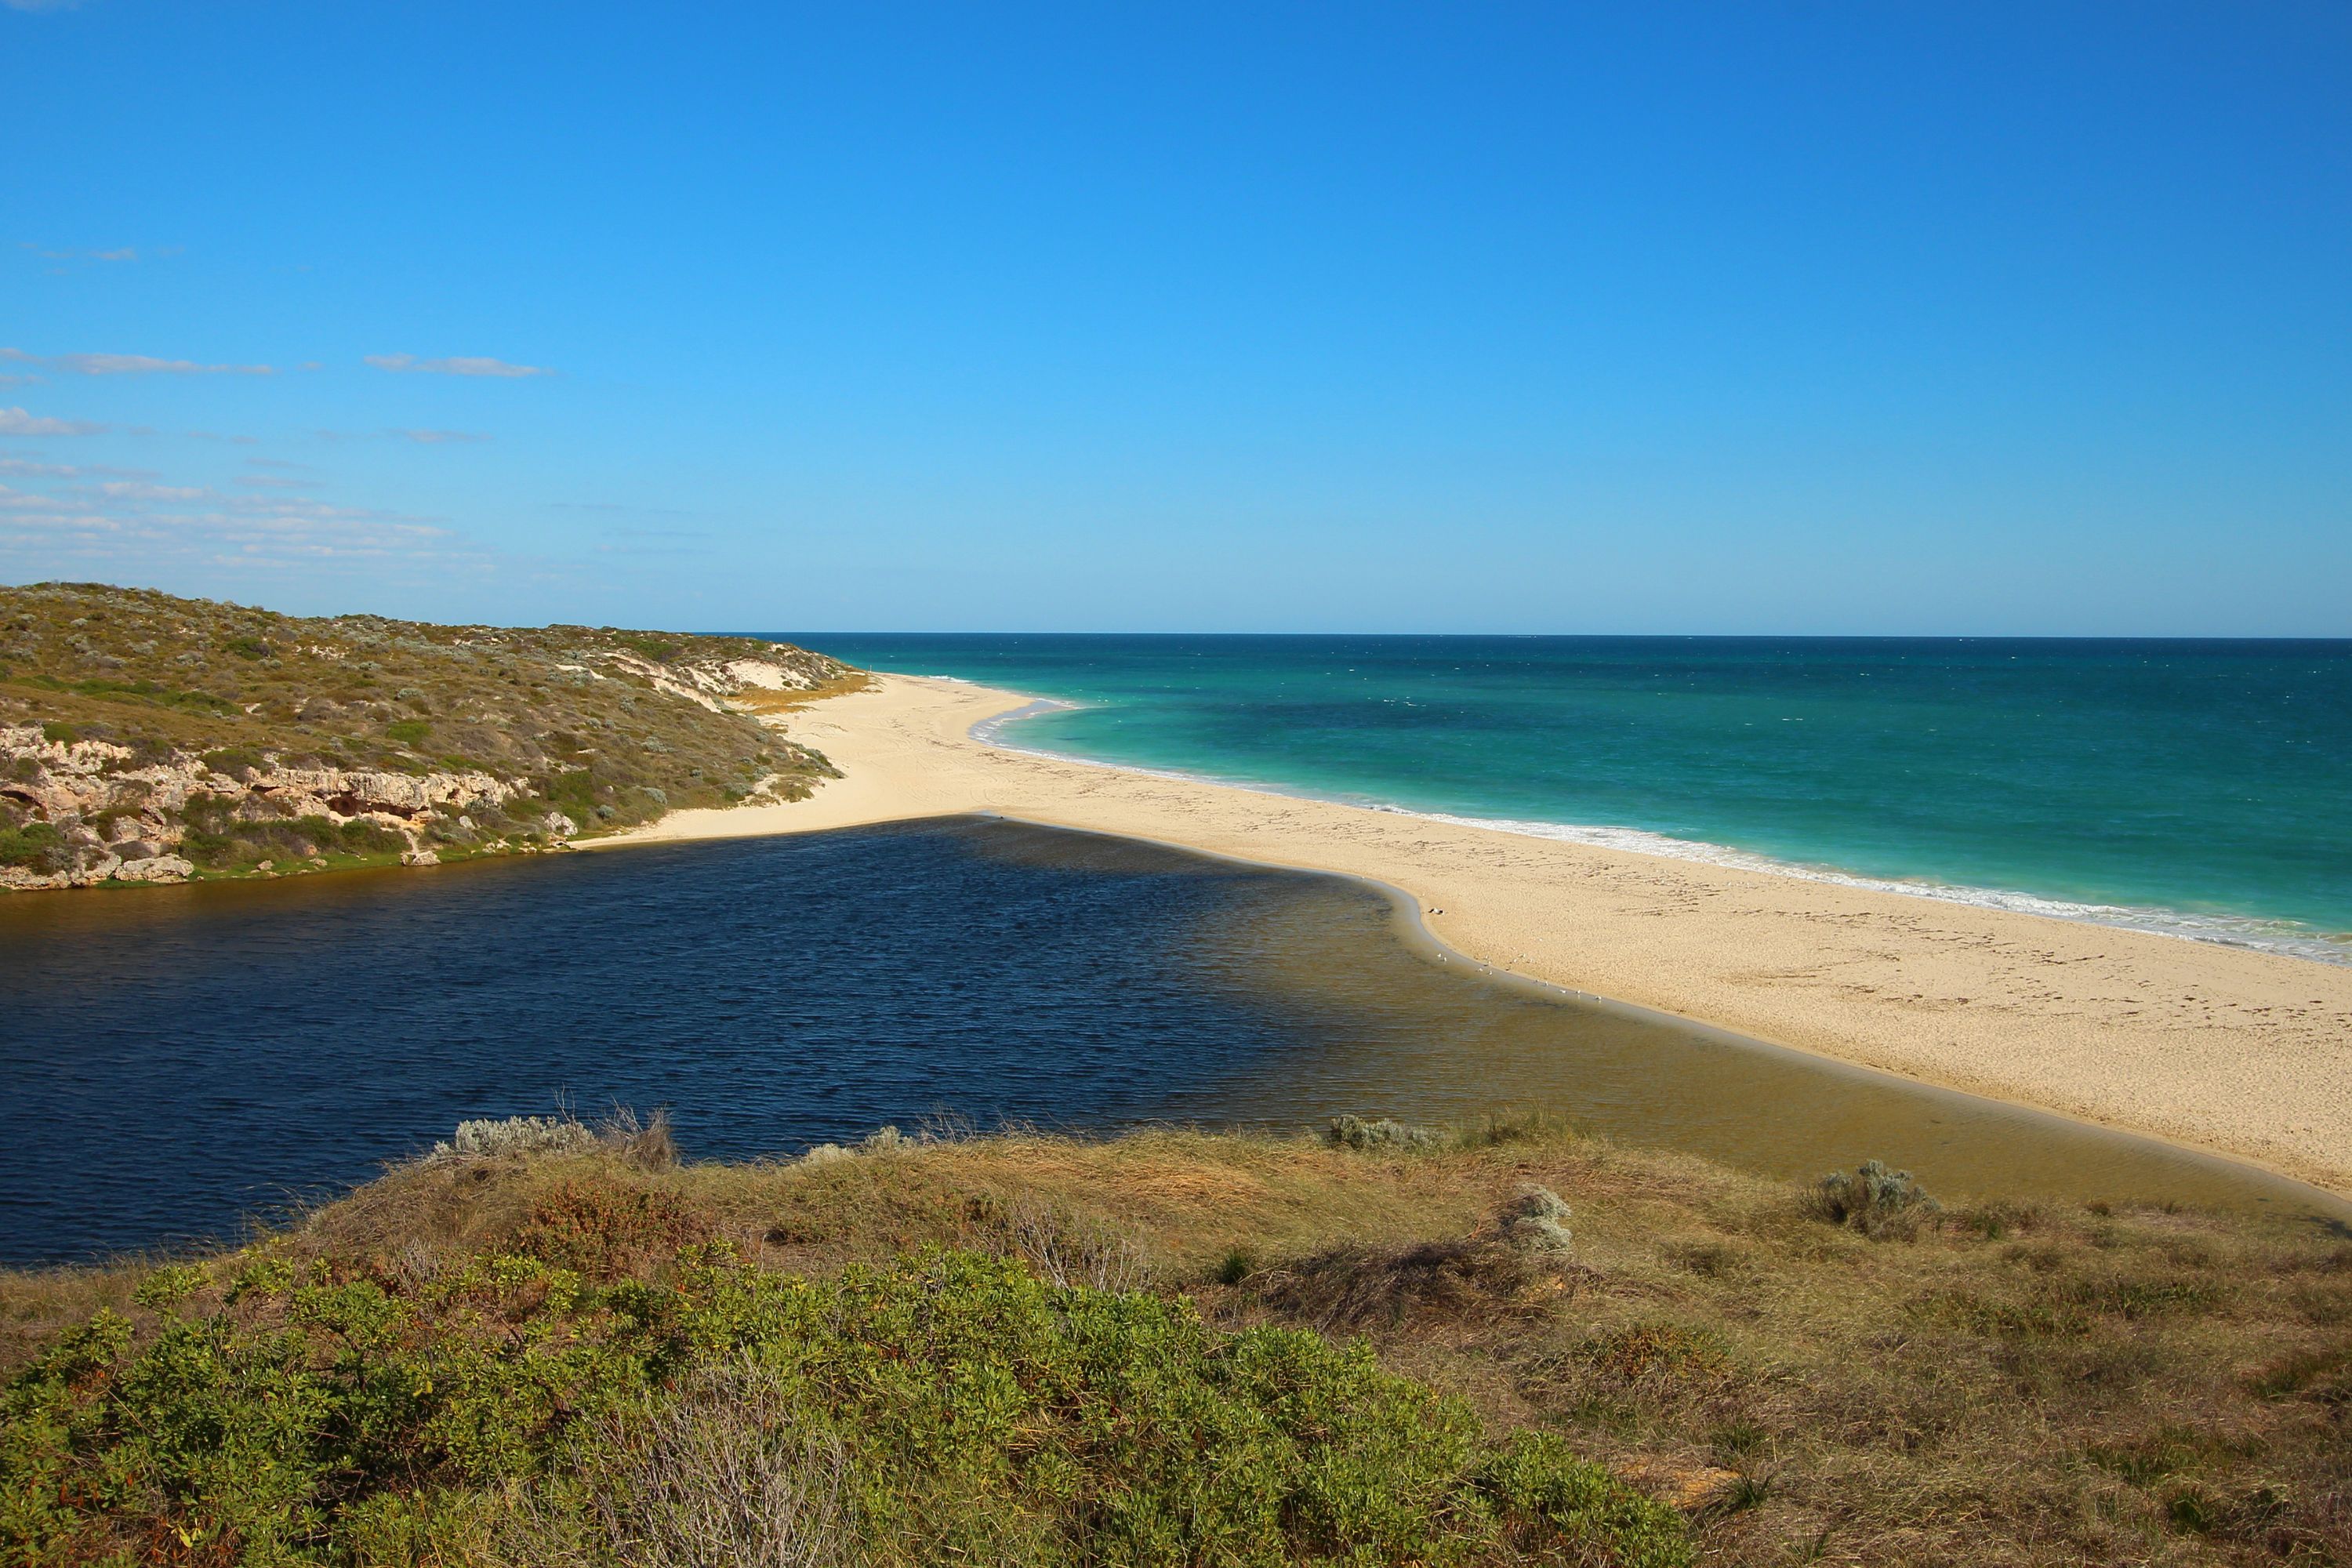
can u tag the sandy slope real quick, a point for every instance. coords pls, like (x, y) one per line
(2242, 1052)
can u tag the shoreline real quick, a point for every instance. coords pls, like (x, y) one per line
(2227, 1051)
(2290, 938)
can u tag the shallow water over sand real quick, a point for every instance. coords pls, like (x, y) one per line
(179, 1059)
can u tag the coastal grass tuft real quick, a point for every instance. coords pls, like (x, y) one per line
(1874, 1200)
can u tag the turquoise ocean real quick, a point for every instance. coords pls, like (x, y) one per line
(2198, 788)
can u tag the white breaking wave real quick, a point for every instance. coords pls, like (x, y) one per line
(2291, 938)
(989, 731)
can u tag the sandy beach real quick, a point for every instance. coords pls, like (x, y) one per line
(2242, 1053)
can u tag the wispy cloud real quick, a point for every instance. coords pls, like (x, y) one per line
(276, 482)
(26, 468)
(16, 422)
(124, 253)
(143, 490)
(128, 364)
(216, 435)
(461, 364)
(90, 525)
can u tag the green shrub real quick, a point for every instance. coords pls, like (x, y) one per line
(949, 1407)
(235, 760)
(653, 648)
(361, 836)
(408, 731)
(36, 846)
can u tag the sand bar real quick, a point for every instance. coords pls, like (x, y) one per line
(2243, 1053)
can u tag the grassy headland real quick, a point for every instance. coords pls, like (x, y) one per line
(1509, 1345)
(147, 738)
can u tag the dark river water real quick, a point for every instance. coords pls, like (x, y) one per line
(179, 1061)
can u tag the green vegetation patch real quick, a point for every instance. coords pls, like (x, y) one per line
(660, 650)
(33, 844)
(540, 1346)
(945, 1407)
(146, 691)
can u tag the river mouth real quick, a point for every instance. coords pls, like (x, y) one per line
(183, 1059)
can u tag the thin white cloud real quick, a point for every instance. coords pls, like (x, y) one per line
(130, 364)
(142, 489)
(148, 364)
(88, 526)
(26, 468)
(16, 422)
(461, 364)
(29, 500)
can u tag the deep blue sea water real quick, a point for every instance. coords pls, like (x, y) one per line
(2198, 787)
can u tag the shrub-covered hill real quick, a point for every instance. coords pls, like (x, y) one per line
(545, 1346)
(147, 738)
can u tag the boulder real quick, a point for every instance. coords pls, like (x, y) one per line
(154, 868)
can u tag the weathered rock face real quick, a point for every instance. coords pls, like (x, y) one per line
(98, 811)
(155, 868)
(334, 792)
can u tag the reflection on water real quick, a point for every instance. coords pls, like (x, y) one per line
(177, 1057)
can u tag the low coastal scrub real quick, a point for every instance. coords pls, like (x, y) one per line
(545, 1344)
(148, 738)
(1875, 1201)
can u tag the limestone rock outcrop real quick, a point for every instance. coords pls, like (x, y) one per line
(98, 811)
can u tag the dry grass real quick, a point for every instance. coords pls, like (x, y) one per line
(2011, 1385)
(722, 1476)
(769, 704)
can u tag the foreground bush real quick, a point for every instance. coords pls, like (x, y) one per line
(1877, 1201)
(949, 1407)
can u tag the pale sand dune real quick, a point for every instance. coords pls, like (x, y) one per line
(2244, 1053)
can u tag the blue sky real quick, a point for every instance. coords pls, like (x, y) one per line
(1766, 317)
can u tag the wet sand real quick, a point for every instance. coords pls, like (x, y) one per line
(2241, 1053)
